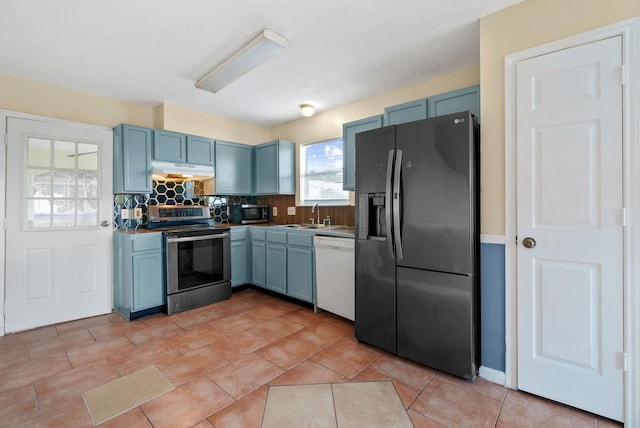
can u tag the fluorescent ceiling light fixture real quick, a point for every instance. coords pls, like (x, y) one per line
(254, 53)
(307, 110)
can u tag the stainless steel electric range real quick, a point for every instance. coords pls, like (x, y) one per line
(197, 256)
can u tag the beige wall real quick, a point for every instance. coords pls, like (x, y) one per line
(51, 101)
(525, 25)
(45, 100)
(181, 119)
(327, 125)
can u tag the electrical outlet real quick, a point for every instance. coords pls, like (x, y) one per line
(275, 211)
(291, 210)
(124, 214)
(138, 213)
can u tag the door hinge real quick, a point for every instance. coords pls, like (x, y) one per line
(625, 363)
(623, 75)
(6, 140)
(4, 224)
(624, 217)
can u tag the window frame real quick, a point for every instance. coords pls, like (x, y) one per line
(304, 201)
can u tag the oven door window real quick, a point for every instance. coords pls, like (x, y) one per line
(195, 264)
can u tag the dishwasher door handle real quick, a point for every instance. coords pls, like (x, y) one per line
(335, 247)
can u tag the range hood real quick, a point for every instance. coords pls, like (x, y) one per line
(181, 171)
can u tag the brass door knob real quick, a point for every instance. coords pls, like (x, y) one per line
(529, 242)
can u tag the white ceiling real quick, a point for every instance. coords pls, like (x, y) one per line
(153, 51)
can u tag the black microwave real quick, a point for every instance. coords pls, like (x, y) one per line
(248, 214)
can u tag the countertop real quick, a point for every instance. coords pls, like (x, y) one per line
(343, 232)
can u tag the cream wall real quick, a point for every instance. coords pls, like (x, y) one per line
(51, 101)
(45, 100)
(181, 119)
(525, 25)
(327, 125)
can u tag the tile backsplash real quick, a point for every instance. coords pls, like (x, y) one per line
(173, 192)
(342, 215)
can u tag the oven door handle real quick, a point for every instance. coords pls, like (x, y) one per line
(199, 237)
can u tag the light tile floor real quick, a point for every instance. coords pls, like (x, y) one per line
(221, 359)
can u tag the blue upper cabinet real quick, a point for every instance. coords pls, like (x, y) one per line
(349, 131)
(275, 168)
(169, 146)
(407, 112)
(233, 163)
(131, 159)
(200, 150)
(455, 101)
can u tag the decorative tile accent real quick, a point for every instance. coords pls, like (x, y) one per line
(129, 201)
(177, 192)
(174, 192)
(219, 204)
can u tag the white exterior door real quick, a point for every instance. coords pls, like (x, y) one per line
(570, 204)
(59, 216)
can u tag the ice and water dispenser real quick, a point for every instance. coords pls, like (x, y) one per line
(372, 218)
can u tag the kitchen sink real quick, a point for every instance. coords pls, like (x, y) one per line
(312, 226)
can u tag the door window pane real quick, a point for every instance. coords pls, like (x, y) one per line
(39, 152)
(88, 156)
(38, 214)
(87, 184)
(87, 211)
(38, 182)
(64, 154)
(61, 185)
(64, 212)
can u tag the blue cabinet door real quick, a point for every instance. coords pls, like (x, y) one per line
(148, 281)
(238, 263)
(277, 268)
(200, 150)
(455, 101)
(266, 174)
(239, 256)
(406, 112)
(300, 273)
(349, 131)
(258, 263)
(275, 168)
(131, 159)
(169, 146)
(233, 168)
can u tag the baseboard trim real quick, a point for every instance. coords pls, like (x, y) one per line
(492, 239)
(493, 375)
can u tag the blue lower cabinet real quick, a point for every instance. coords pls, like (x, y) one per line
(300, 273)
(258, 263)
(148, 291)
(239, 256)
(277, 267)
(139, 283)
(258, 256)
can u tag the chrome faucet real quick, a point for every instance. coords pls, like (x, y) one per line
(313, 209)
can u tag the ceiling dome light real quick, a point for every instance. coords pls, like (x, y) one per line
(307, 110)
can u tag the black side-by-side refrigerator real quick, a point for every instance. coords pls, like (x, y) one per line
(417, 241)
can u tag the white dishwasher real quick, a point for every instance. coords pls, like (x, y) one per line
(335, 275)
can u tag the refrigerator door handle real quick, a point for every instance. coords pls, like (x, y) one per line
(387, 203)
(396, 205)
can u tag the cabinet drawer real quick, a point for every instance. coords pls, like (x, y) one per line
(277, 236)
(147, 243)
(300, 239)
(238, 233)
(258, 234)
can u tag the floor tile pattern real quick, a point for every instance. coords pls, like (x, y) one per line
(221, 360)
